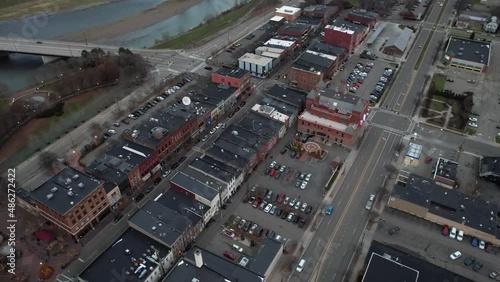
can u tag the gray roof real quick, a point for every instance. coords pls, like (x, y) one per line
(66, 189)
(115, 261)
(343, 103)
(218, 91)
(490, 166)
(238, 149)
(161, 222)
(417, 190)
(287, 95)
(378, 266)
(204, 178)
(308, 20)
(264, 255)
(243, 137)
(206, 99)
(212, 170)
(227, 157)
(325, 48)
(184, 205)
(194, 186)
(232, 72)
(103, 169)
(446, 168)
(260, 125)
(279, 106)
(364, 14)
(469, 50)
(313, 62)
(220, 164)
(127, 155)
(298, 27)
(401, 41)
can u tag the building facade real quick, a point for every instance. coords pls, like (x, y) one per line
(344, 34)
(257, 65)
(364, 17)
(238, 78)
(288, 13)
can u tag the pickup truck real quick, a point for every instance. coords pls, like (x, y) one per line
(370, 202)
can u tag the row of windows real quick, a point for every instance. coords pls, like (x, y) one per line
(319, 126)
(337, 140)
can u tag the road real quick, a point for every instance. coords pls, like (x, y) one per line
(335, 242)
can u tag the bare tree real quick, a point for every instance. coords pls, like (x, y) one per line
(47, 160)
(96, 127)
(391, 169)
(382, 191)
(399, 147)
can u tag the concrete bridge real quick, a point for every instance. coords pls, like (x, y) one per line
(52, 49)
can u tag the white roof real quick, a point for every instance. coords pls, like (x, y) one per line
(255, 59)
(278, 42)
(340, 28)
(288, 10)
(271, 54)
(323, 121)
(277, 18)
(330, 57)
(270, 49)
(270, 112)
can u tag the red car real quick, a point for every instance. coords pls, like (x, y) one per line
(489, 247)
(273, 172)
(281, 198)
(446, 230)
(256, 203)
(229, 255)
(298, 156)
(428, 160)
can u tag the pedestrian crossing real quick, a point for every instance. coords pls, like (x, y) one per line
(389, 129)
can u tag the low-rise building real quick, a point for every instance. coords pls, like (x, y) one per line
(489, 169)
(364, 17)
(345, 34)
(72, 201)
(397, 45)
(339, 52)
(333, 118)
(288, 95)
(257, 65)
(466, 21)
(288, 43)
(288, 13)
(323, 12)
(311, 68)
(277, 110)
(445, 173)
(234, 77)
(133, 257)
(467, 54)
(295, 29)
(491, 26)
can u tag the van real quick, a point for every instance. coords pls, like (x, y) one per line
(301, 265)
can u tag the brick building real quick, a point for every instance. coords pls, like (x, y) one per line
(234, 77)
(311, 68)
(339, 52)
(344, 34)
(295, 29)
(333, 118)
(72, 200)
(364, 17)
(323, 12)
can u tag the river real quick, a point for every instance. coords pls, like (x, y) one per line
(16, 72)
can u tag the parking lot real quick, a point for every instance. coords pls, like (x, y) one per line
(424, 239)
(285, 231)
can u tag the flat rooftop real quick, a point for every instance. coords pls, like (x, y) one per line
(212, 170)
(346, 27)
(227, 157)
(160, 222)
(260, 125)
(255, 59)
(314, 62)
(184, 205)
(219, 91)
(469, 50)
(280, 106)
(116, 260)
(325, 48)
(264, 255)
(240, 150)
(127, 155)
(232, 72)
(221, 164)
(446, 169)
(287, 95)
(321, 9)
(280, 42)
(342, 103)
(65, 190)
(288, 10)
(295, 27)
(323, 121)
(194, 186)
(309, 20)
(102, 168)
(364, 14)
(379, 266)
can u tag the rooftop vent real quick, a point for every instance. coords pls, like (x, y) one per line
(71, 194)
(53, 190)
(50, 196)
(128, 252)
(76, 176)
(81, 185)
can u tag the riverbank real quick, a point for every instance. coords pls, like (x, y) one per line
(133, 23)
(12, 9)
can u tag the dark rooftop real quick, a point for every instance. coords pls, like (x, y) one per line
(210, 169)
(345, 25)
(264, 255)
(308, 20)
(446, 169)
(108, 186)
(295, 27)
(364, 14)
(321, 9)
(103, 169)
(184, 205)
(160, 222)
(260, 125)
(325, 48)
(65, 190)
(204, 178)
(226, 270)
(194, 186)
(384, 259)
(280, 106)
(344, 103)
(220, 164)
(206, 99)
(238, 149)
(288, 95)
(469, 50)
(417, 190)
(314, 62)
(116, 261)
(127, 155)
(236, 72)
(244, 137)
(489, 166)
(219, 91)
(227, 157)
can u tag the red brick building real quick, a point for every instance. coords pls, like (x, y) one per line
(72, 200)
(323, 12)
(236, 77)
(364, 17)
(333, 118)
(345, 34)
(295, 29)
(311, 68)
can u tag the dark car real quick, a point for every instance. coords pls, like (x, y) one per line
(139, 197)
(470, 260)
(477, 266)
(247, 225)
(279, 212)
(208, 68)
(243, 103)
(277, 175)
(271, 234)
(229, 255)
(296, 219)
(265, 232)
(149, 189)
(284, 214)
(268, 170)
(394, 230)
(236, 109)
(276, 197)
(125, 121)
(302, 222)
(308, 209)
(158, 180)
(118, 217)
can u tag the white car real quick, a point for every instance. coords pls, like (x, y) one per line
(473, 124)
(482, 244)
(303, 185)
(453, 233)
(455, 255)
(166, 173)
(213, 130)
(273, 164)
(238, 248)
(204, 138)
(301, 265)
(112, 131)
(308, 177)
(460, 235)
(473, 119)
(268, 207)
(219, 125)
(297, 205)
(303, 208)
(160, 98)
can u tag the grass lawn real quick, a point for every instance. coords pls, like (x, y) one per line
(497, 139)
(439, 80)
(17, 8)
(205, 30)
(438, 120)
(438, 106)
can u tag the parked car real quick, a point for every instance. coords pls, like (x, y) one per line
(460, 235)
(251, 200)
(229, 255)
(474, 242)
(470, 260)
(292, 155)
(297, 183)
(394, 230)
(268, 208)
(489, 247)
(455, 255)
(493, 275)
(139, 197)
(303, 208)
(290, 217)
(453, 233)
(301, 265)
(292, 202)
(477, 266)
(303, 185)
(273, 210)
(308, 210)
(329, 211)
(446, 230)
(482, 245)
(208, 68)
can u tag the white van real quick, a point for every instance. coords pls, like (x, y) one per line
(301, 265)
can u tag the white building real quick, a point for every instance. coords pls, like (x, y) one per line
(257, 65)
(288, 13)
(491, 26)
